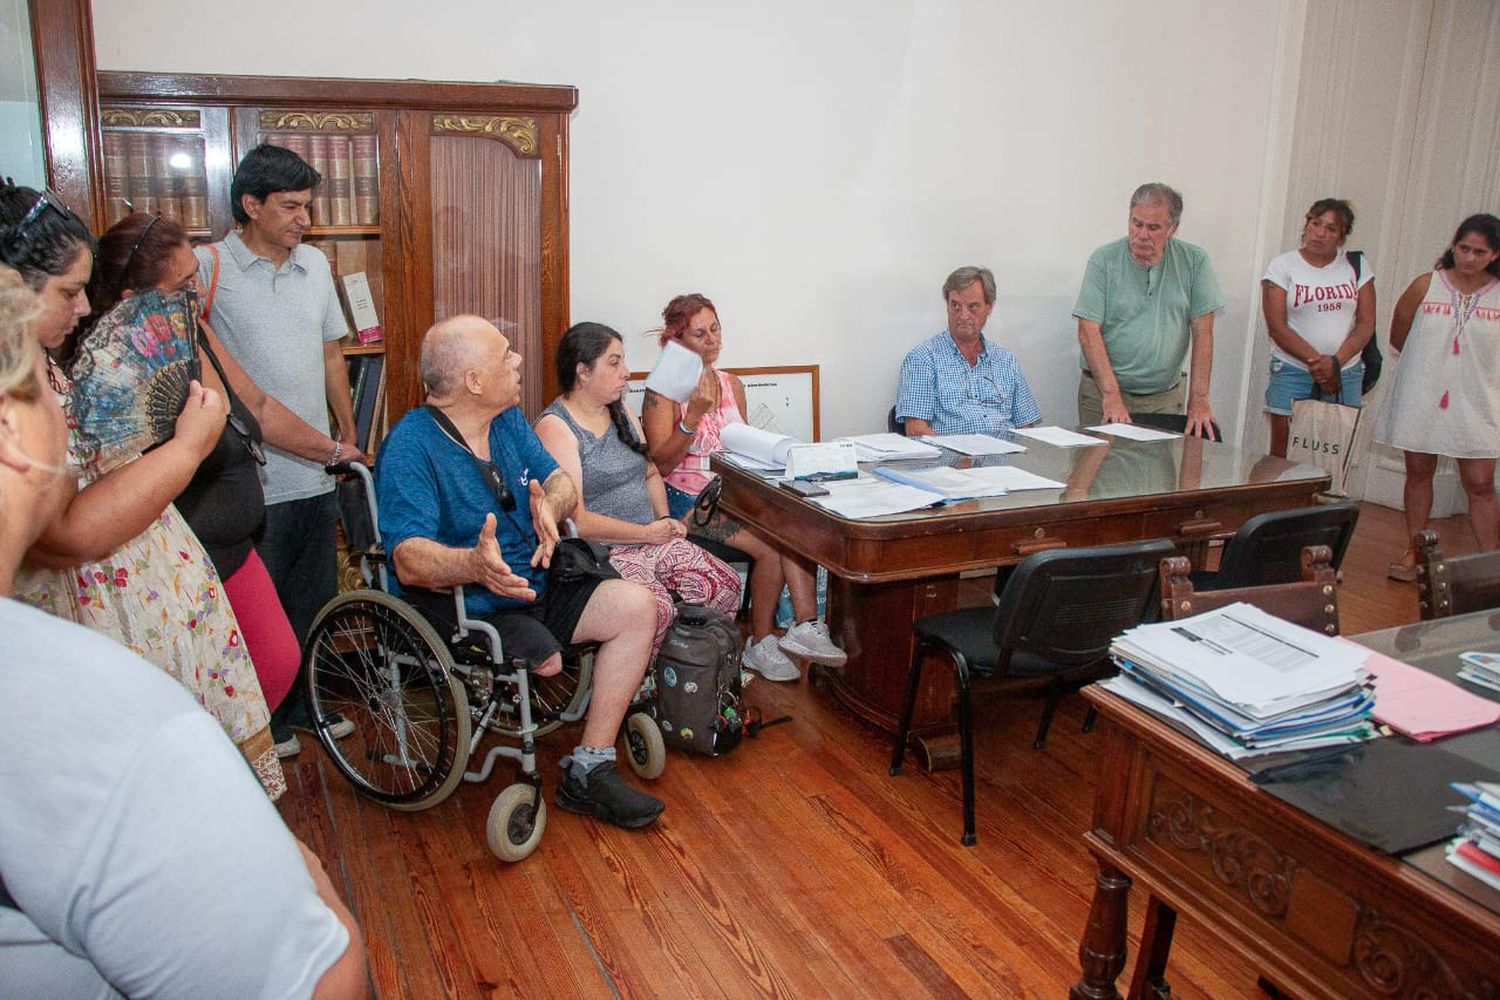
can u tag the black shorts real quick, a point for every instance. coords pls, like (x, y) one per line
(531, 634)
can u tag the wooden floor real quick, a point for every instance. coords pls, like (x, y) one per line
(793, 867)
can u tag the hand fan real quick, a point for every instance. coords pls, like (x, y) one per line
(130, 377)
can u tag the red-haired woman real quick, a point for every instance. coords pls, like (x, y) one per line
(681, 437)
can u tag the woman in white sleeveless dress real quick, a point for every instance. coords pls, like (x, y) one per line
(1446, 396)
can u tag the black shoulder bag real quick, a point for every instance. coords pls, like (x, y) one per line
(1371, 354)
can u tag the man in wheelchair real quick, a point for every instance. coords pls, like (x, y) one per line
(448, 480)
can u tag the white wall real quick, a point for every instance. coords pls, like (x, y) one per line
(817, 168)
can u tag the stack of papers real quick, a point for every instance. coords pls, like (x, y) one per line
(873, 496)
(1246, 683)
(754, 448)
(973, 444)
(1477, 848)
(1482, 669)
(888, 447)
(944, 481)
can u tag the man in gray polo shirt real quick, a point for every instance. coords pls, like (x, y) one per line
(1143, 298)
(273, 304)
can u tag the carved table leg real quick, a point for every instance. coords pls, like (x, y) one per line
(1101, 954)
(1156, 942)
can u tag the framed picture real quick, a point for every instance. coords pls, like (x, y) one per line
(782, 399)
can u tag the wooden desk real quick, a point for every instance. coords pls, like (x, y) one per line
(887, 572)
(1321, 914)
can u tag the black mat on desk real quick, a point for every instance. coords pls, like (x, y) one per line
(1390, 793)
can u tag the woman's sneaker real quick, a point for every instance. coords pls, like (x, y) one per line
(810, 641)
(766, 659)
(603, 794)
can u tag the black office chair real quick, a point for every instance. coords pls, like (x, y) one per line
(730, 555)
(1454, 585)
(892, 424)
(1174, 422)
(1056, 618)
(1268, 547)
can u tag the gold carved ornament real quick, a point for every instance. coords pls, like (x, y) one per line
(317, 121)
(150, 117)
(520, 134)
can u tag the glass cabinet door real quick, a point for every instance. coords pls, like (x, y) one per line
(486, 180)
(157, 160)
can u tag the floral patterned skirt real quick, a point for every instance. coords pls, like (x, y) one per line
(160, 596)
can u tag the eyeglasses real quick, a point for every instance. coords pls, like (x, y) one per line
(495, 480)
(977, 393)
(137, 245)
(251, 445)
(47, 199)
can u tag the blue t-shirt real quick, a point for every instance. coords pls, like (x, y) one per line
(939, 385)
(430, 487)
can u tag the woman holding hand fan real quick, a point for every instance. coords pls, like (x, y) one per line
(120, 559)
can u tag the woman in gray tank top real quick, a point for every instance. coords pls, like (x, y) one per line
(622, 501)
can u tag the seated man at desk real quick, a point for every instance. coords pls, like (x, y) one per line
(958, 381)
(468, 496)
(1143, 296)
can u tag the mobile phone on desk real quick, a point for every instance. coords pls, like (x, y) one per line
(803, 488)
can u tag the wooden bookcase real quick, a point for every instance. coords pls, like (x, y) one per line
(450, 197)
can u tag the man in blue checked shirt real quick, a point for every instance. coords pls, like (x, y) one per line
(959, 382)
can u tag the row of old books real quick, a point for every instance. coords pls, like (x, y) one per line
(350, 192)
(155, 172)
(1246, 683)
(367, 387)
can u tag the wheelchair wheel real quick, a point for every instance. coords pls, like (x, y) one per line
(376, 661)
(646, 749)
(554, 700)
(515, 827)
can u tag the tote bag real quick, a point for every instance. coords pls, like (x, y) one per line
(1322, 434)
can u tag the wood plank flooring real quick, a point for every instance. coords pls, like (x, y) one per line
(793, 867)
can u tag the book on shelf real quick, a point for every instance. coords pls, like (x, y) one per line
(366, 386)
(366, 181)
(361, 302)
(317, 158)
(194, 191)
(338, 182)
(164, 177)
(140, 186)
(378, 425)
(116, 178)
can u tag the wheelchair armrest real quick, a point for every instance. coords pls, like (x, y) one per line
(467, 625)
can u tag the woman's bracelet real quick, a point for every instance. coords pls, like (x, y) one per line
(684, 428)
(338, 451)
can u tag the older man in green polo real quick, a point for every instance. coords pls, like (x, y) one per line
(1144, 299)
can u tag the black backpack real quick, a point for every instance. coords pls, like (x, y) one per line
(697, 701)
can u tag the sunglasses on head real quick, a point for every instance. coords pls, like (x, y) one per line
(495, 480)
(48, 198)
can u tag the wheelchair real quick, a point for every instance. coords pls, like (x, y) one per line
(421, 706)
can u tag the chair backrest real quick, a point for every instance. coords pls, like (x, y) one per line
(1454, 585)
(1268, 547)
(892, 424)
(1312, 601)
(1175, 422)
(1067, 605)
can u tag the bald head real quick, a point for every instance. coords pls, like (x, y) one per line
(455, 346)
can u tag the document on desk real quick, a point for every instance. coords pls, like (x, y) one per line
(1058, 437)
(755, 448)
(1423, 705)
(944, 482)
(888, 446)
(872, 496)
(974, 444)
(1135, 432)
(1012, 478)
(1481, 668)
(1242, 656)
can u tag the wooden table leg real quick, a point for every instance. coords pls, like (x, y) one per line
(1156, 942)
(1101, 954)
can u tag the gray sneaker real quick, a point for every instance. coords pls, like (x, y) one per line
(810, 641)
(769, 661)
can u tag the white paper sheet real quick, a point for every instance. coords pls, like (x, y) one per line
(676, 373)
(1135, 432)
(870, 496)
(948, 483)
(1058, 437)
(1013, 479)
(973, 444)
(889, 446)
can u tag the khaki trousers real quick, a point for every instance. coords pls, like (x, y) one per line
(1091, 403)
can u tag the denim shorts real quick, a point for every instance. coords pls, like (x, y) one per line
(1288, 383)
(679, 502)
